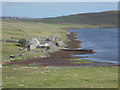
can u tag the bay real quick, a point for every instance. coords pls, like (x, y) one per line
(103, 40)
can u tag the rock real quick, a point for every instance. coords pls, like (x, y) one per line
(11, 77)
(12, 56)
(21, 85)
(20, 49)
(35, 68)
(97, 70)
(14, 68)
(42, 72)
(40, 84)
(47, 71)
(0, 65)
(42, 56)
(45, 79)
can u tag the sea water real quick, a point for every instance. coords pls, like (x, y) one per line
(103, 40)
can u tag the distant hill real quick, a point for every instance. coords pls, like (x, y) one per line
(99, 18)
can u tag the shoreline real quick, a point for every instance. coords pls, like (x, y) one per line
(61, 58)
(61, 55)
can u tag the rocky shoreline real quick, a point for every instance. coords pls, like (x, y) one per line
(62, 58)
(58, 55)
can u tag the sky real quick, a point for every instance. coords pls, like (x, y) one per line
(53, 9)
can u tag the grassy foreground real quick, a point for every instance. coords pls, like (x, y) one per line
(60, 77)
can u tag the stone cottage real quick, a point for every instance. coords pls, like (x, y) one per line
(53, 38)
(33, 43)
(45, 44)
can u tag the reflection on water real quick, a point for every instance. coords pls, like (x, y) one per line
(103, 41)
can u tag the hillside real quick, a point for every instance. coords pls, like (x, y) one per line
(99, 18)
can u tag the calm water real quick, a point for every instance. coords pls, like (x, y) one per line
(103, 41)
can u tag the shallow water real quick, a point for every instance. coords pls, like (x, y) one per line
(103, 40)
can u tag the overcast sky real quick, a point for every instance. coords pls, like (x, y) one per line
(54, 9)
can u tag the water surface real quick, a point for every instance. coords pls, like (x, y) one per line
(103, 40)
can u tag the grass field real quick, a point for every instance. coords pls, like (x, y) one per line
(16, 29)
(60, 77)
(52, 77)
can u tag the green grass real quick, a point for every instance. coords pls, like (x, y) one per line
(60, 77)
(104, 19)
(83, 61)
(9, 49)
(16, 29)
(52, 77)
